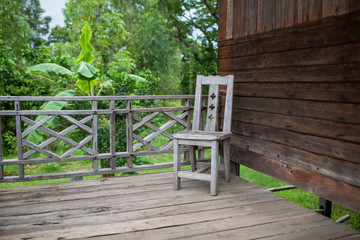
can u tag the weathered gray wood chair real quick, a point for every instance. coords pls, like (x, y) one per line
(209, 137)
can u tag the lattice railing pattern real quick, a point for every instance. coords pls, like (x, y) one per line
(86, 121)
(55, 136)
(158, 130)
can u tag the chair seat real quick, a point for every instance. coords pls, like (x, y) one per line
(202, 135)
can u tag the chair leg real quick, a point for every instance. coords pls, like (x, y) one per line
(226, 147)
(177, 159)
(214, 167)
(192, 158)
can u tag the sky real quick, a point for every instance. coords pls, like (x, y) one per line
(53, 8)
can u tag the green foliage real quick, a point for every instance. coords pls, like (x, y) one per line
(142, 47)
(108, 27)
(121, 63)
(38, 26)
(49, 67)
(193, 24)
(9, 139)
(14, 30)
(87, 50)
(21, 24)
(83, 71)
(15, 82)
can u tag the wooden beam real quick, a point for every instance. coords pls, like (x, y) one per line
(19, 139)
(94, 131)
(1, 153)
(343, 171)
(336, 191)
(112, 134)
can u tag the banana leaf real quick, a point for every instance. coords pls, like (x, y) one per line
(86, 54)
(49, 67)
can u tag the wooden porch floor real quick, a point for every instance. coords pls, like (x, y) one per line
(146, 207)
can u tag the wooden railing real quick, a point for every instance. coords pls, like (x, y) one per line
(87, 121)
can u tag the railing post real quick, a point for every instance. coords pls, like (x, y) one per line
(129, 134)
(1, 154)
(112, 135)
(19, 138)
(326, 206)
(95, 135)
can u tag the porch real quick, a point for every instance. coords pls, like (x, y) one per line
(146, 207)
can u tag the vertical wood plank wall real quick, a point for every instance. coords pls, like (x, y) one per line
(296, 111)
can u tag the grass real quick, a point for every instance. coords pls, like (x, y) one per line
(298, 196)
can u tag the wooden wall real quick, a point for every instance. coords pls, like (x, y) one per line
(248, 17)
(296, 111)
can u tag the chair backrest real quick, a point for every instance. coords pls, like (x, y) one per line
(213, 100)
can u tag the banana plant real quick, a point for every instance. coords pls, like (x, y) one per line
(85, 73)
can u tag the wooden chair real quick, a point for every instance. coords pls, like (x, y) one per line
(209, 137)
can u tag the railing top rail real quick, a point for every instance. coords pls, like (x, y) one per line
(97, 98)
(89, 112)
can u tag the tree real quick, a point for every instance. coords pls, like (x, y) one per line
(194, 24)
(149, 43)
(39, 26)
(21, 23)
(14, 30)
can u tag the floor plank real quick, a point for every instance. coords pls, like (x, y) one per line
(146, 207)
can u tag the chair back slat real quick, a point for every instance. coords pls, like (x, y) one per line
(228, 104)
(212, 117)
(212, 108)
(197, 104)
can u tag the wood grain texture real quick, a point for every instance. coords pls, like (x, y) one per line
(337, 191)
(342, 92)
(269, 11)
(146, 207)
(1, 154)
(321, 145)
(343, 171)
(315, 127)
(93, 98)
(19, 139)
(261, 16)
(222, 19)
(328, 8)
(112, 135)
(308, 27)
(252, 16)
(306, 57)
(249, 17)
(340, 33)
(237, 16)
(296, 97)
(324, 73)
(336, 112)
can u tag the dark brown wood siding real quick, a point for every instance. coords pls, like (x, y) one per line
(296, 111)
(246, 17)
